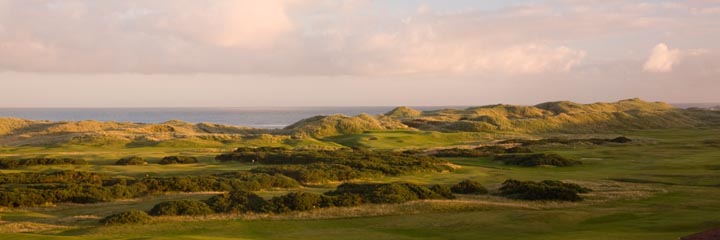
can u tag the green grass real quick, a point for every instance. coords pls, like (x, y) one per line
(675, 174)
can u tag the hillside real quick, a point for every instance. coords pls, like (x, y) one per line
(549, 117)
(333, 125)
(17, 132)
(564, 116)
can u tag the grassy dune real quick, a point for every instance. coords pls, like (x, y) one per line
(663, 185)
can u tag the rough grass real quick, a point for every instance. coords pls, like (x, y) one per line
(644, 209)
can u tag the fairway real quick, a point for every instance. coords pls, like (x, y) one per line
(663, 186)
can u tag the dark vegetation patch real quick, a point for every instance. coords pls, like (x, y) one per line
(17, 163)
(345, 195)
(536, 159)
(565, 141)
(128, 217)
(479, 151)
(181, 208)
(469, 187)
(386, 192)
(313, 166)
(131, 161)
(544, 190)
(32, 189)
(178, 160)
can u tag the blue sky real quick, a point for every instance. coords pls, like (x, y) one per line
(178, 53)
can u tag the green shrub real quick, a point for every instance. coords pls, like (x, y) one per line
(237, 201)
(129, 217)
(469, 187)
(443, 190)
(181, 207)
(296, 201)
(538, 159)
(544, 190)
(386, 192)
(178, 160)
(16, 163)
(131, 161)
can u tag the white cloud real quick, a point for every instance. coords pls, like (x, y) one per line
(323, 37)
(662, 59)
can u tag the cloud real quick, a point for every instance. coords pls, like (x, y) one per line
(330, 38)
(662, 59)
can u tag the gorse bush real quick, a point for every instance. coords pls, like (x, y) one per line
(386, 192)
(564, 141)
(483, 151)
(312, 166)
(31, 189)
(128, 217)
(181, 208)
(131, 161)
(237, 202)
(178, 160)
(16, 163)
(469, 187)
(297, 201)
(544, 190)
(538, 159)
(443, 191)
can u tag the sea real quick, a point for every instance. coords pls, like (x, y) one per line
(257, 117)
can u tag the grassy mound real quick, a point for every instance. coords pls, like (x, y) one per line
(129, 217)
(333, 125)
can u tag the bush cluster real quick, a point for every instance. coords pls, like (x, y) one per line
(544, 190)
(181, 208)
(178, 160)
(479, 151)
(128, 217)
(538, 159)
(594, 141)
(387, 192)
(131, 161)
(16, 163)
(469, 187)
(312, 166)
(31, 189)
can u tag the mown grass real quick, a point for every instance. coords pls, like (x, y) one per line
(663, 187)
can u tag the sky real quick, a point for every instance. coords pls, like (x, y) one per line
(238, 53)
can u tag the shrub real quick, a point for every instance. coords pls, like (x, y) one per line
(531, 160)
(15, 163)
(181, 207)
(129, 217)
(386, 192)
(178, 160)
(468, 187)
(237, 202)
(131, 161)
(518, 150)
(296, 201)
(443, 190)
(545, 190)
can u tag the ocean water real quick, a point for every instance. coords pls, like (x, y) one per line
(267, 117)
